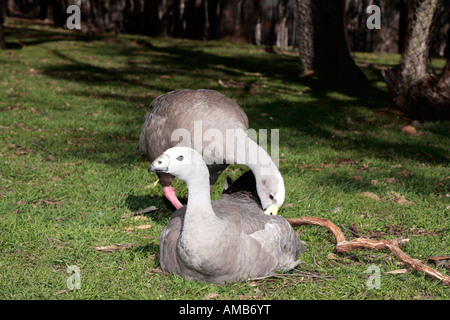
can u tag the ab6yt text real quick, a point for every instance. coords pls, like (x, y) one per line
(228, 310)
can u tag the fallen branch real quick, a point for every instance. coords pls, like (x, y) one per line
(344, 246)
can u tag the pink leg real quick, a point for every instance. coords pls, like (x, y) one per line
(169, 192)
(210, 189)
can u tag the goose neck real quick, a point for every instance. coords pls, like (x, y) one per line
(199, 199)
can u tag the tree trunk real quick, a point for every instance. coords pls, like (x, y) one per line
(238, 18)
(250, 11)
(304, 32)
(213, 19)
(171, 24)
(402, 24)
(2, 20)
(151, 18)
(195, 18)
(419, 94)
(322, 41)
(415, 59)
(98, 15)
(59, 12)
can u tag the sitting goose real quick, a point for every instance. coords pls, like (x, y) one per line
(230, 239)
(200, 113)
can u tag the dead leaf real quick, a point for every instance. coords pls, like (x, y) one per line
(390, 180)
(62, 291)
(331, 256)
(409, 130)
(139, 218)
(211, 296)
(371, 195)
(398, 271)
(21, 152)
(402, 200)
(114, 247)
(404, 173)
(358, 178)
(142, 227)
(154, 184)
(53, 202)
(345, 161)
(399, 199)
(73, 164)
(158, 271)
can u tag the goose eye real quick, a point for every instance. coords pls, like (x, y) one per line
(270, 197)
(180, 158)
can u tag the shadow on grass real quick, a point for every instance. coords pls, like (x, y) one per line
(148, 249)
(321, 116)
(165, 208)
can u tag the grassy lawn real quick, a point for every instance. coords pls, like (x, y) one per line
(71, 110)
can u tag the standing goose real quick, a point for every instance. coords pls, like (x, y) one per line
(203, 119)
(230, 239)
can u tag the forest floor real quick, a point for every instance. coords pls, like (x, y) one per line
(71, 110)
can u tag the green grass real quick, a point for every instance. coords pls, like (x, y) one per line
(71, 109)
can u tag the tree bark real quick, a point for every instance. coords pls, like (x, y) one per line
(402, 24)
(171, 21)
(419, 94)
(59, 12)
(213, 19)
(151, 18)
(2, 21)
(237, 19)
(195, 18)
(322, 41)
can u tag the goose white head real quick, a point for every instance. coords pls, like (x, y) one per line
(181, 162)
(271, 192)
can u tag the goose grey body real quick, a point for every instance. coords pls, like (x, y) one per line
(204, 112)
(230, 239)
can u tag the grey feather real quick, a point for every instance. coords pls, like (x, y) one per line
(181, 109)
(255, 245)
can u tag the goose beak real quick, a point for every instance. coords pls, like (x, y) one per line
(160, 164)
(272, 210)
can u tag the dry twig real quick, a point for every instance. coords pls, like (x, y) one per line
(114, 247)
(142, 211)
(344, 246)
